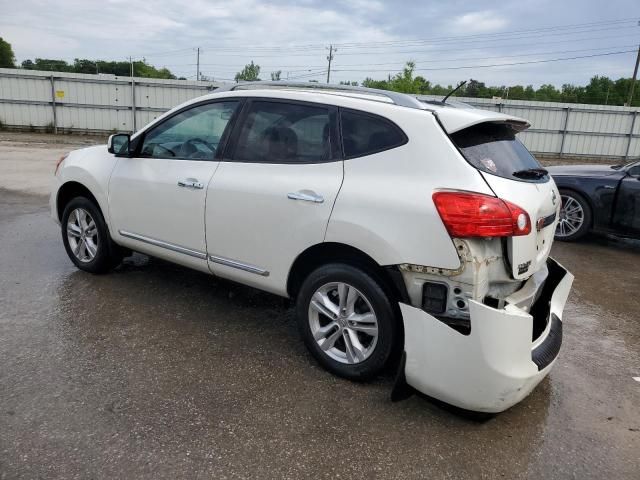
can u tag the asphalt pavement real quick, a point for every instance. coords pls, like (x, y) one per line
(156, 371)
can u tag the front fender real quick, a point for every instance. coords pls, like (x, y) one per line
(90, 167)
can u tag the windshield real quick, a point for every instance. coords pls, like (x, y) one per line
(494, 148)
(625, 165)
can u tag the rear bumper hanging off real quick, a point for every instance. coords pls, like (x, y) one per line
(497, 364)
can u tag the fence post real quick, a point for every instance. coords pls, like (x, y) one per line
(633, 124)
(53, 104)
(564, 130)
(133, 103)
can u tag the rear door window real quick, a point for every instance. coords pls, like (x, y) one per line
(494, 148)
(279, 132)
(365, 134)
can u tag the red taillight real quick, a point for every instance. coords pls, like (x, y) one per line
(467, 214)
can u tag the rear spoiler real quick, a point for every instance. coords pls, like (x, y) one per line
(456, 119)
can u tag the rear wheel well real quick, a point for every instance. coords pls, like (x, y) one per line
(68, 192)
(330, 252)
(389, 278)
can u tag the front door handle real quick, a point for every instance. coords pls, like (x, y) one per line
(191, 183)
(305, 196)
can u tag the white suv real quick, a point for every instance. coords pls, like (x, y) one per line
(397, 227)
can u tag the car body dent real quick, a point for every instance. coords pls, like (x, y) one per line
(488, 370)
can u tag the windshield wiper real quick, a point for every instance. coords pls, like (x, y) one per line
(531, 173)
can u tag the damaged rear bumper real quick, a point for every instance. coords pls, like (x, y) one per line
(497, 364)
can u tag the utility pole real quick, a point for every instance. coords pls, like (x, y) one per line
(197, 63)
(133, 97)
(633, 80)
(330, 57)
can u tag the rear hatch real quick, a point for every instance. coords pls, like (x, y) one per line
(516, 176)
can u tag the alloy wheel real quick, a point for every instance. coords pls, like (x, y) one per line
(343, 323)
(571, 217)
(82, 234)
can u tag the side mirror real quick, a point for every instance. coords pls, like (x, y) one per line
(118, 144)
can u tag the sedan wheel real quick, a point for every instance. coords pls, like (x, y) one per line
(574, 217)
(82, 234)
(343, 323)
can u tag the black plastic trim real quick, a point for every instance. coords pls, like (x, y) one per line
(547, 351)
(401, 389)
(396, 277)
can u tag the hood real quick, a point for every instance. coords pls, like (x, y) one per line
(583, 170)
(454, 119)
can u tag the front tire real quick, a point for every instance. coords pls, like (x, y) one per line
(86, 237)
(575, 217)
(346, 321)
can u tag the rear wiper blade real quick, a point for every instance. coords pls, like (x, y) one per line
(531, 173)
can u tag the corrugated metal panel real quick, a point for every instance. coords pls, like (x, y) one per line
(104, 103)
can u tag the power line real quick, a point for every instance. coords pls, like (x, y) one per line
(501, 64)
(304, 68)
(548, 31)
(424, 50)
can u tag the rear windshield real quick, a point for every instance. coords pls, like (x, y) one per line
(494, 148)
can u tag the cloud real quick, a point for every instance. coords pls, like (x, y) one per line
(374, 38)
(480, 22)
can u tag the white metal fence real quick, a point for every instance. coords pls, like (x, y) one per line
(102, 103)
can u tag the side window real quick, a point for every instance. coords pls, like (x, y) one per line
(634, 171)
(364, 134)
(193, 134)
(277, 132)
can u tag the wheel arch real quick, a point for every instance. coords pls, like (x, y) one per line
(70, 190)
(324, 253)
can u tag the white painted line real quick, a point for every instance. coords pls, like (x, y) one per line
(637, 379)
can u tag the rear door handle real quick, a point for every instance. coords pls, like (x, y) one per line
(191, 183)
(305, 196)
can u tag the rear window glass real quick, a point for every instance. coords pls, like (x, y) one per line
(364, 134)
(494, 148)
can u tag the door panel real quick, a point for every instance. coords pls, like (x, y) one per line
(252, 220)
(146, 201)
(273, 197)
(157, 198)
(626, 216)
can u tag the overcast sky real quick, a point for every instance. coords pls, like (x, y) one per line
(374, 38)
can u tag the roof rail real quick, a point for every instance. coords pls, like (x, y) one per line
(395, 97)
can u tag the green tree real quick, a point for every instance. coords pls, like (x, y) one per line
(7, 58)
(82, 65)
(548, 93)
(250, 73)
(50, 64)
(275, 76)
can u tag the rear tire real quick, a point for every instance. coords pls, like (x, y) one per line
(346, 321)
(575, 217)
(86, 237)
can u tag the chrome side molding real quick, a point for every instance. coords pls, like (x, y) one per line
(196, 253)
(167, 245)
(239, 265)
